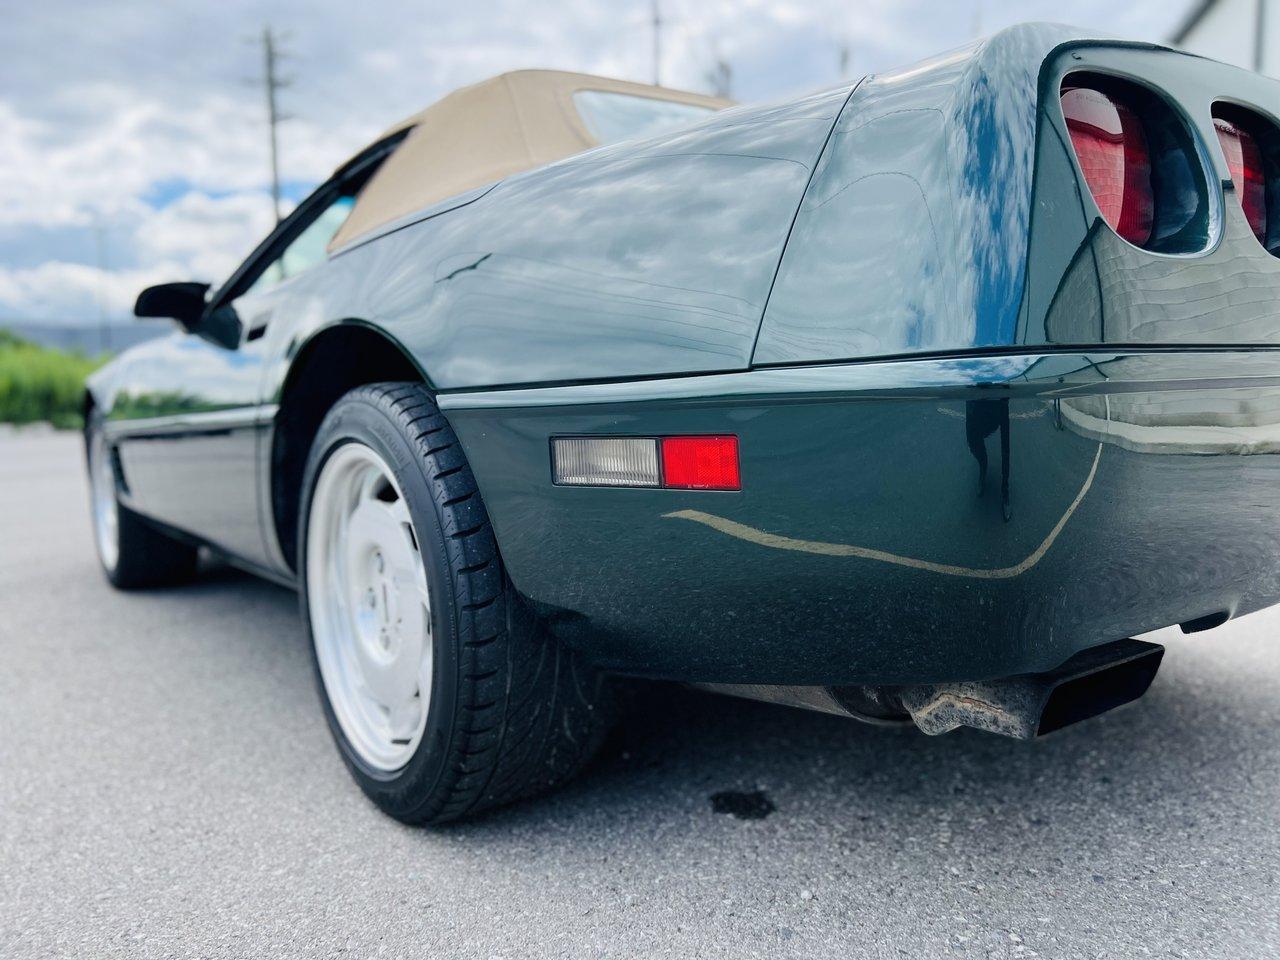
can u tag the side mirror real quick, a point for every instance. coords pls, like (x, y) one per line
(183, 302)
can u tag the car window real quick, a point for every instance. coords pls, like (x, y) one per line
(621, 116)
(307, 249)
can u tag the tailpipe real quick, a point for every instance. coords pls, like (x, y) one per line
(1092, 682)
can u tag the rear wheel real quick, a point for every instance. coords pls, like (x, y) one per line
(443, 692)
(134, 554)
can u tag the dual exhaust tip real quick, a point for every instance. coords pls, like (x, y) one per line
(1024, 707)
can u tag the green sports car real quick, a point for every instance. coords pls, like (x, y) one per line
(913, 400)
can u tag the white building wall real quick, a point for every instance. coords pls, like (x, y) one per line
(1226, 30)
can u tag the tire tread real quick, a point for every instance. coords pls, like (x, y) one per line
(530, 713)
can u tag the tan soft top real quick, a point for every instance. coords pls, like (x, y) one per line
(485, 132)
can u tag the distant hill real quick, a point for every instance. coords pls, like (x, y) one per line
(90, 340)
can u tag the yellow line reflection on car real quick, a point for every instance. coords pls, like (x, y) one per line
(778, 542)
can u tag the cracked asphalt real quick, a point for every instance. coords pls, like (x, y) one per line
(168, 789)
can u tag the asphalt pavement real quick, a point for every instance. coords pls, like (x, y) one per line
(168, 789)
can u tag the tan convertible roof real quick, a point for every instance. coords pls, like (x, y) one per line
(485, 132)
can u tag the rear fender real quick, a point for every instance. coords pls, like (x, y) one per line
(947, 215)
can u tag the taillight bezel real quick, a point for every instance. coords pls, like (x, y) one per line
(1265, 130)
(1185, 210)
(704, 462)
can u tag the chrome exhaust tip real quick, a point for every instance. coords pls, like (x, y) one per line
(1032, 705)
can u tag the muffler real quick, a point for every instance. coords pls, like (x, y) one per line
(875, 705)
(1092, 682)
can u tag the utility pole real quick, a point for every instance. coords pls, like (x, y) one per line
(1259, 35)
(844, 55)
(272, 83)
(721, 78)
(720, 74)
(100, 245)
(657, 45)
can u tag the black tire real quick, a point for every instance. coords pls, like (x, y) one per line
(512, 711)
(143, 557)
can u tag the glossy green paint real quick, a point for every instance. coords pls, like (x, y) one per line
(643, 258)
(632, 260)
(946, 214)
(1142, 490)
(878, 294)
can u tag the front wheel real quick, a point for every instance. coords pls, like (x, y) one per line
(134, 554)
(443, 692)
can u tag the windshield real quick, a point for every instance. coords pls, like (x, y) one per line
(620, 116)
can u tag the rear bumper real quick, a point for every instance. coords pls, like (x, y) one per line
(1123, 492)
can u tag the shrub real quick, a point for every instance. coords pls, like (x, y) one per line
(39, 383)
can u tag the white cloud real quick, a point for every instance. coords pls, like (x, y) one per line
(208, 236)
(139, 121)
(197, 237)
(57, 290)
(130, 145)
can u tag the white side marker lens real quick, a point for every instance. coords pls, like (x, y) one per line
(606, 461)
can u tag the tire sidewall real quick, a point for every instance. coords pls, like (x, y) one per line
(358, 419)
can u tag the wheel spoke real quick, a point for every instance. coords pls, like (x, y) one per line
(371, 483)
(403, 719)
(412, 585)
(399, 511)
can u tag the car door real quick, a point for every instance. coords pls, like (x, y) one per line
(190, 419)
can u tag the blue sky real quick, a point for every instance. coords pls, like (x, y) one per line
(132, 136)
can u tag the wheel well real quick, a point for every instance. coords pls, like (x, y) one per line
(86, 411)
(335, 361)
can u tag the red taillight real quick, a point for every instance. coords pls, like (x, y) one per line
(1111, 147)
(700, 463)
(1244, 160)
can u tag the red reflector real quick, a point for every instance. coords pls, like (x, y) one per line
(1112, 149)
(1244, 160)
(700, 463)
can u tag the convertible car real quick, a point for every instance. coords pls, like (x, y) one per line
(913, 400)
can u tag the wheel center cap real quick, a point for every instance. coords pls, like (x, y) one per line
(377, 604)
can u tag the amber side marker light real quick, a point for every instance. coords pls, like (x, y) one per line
(677, 463)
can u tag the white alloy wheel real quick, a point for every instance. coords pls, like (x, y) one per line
(369, 606)
(102, 493)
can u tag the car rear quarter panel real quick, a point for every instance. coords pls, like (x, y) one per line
(946, 215)
(634, 260)
(1143, 491)
(641, 259)
(1124, 491)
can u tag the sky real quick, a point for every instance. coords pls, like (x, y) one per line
(133, 135)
